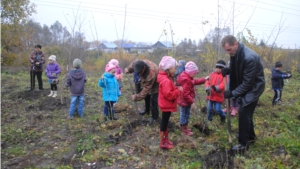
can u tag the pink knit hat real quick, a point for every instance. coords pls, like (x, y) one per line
(114, 62)
(167, 62)
(191, 68)
(109, 67)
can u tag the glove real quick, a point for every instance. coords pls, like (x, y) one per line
(214, 87)
(207, 92)
(225, 71)
(228, 94)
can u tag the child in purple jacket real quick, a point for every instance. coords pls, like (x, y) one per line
(76, 80)
(52, 72)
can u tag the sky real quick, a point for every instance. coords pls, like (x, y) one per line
(156, 20)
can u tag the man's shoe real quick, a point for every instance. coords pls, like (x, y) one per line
(251, 140)
(240, 147)
(144, 112)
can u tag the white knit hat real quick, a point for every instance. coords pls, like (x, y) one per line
(52, 57)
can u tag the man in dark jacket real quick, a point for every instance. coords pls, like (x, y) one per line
(247, 83)
(37, 59)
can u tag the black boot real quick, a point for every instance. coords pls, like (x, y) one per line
(240, 147)
(223, 119)
(144, 112)
(114, 117)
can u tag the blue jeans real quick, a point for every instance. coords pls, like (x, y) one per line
(108, 108)
(217, 107)
(74, 100)
(185, 112)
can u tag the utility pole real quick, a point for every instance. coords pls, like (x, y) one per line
(218, 41)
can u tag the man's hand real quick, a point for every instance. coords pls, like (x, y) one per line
(126, 70)
(207, 92)
(133, 97)
(37, 63)
(214, 87)
(225, 71)
(228, 94)
(193, 107)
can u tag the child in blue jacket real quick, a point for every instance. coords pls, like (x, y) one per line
(110, 91)
(277, 81)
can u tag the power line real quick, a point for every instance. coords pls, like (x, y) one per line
(262, 8)
(157, 17)
(275, 5)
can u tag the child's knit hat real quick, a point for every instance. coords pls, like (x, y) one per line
(77, 63)
(52, 57)
(278, 64)
(114, 62)
(191, 68)
(221, 64)
(167, 62)
(109, 67)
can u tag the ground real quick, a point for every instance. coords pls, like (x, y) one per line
(35, 132)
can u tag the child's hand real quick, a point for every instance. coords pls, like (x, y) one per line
(214, 87)
(180, 88)
(53, 74)
(207, 78)
(102, 77)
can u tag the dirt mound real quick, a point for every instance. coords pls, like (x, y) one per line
(52, 104)
(219, 159)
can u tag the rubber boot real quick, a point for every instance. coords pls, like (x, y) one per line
(163, 140)
(167, 136)
(51, 93)
(54, 94)
(186, 131)
(188, 127)
(234, 111)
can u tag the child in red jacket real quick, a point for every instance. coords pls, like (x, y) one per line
(167, 96)
(186, 99)
(215, 92)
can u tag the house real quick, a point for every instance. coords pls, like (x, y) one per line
(128, 47)
(108, 47)
(162, 45)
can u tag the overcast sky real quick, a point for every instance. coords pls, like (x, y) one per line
(146, 20)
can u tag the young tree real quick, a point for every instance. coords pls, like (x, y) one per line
(13, 14)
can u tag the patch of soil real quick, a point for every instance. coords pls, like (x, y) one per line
(52, 104)
(202, 128)
(219, 159)
(280, 151)
(30, 95)
(126, 132)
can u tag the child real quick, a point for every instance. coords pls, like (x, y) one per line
(277, 82)
(186, 99)
(167, 96)
(52, 72)
(179, 69)
(215, 89)
(110, 91)
(76, 80)
(118, 74)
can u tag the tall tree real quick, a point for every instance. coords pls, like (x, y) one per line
(13, 14)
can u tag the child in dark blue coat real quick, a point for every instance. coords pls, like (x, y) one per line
(277, 82)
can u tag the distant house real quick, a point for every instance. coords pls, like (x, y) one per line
(108, 47)
(162, 45)
(128, 47)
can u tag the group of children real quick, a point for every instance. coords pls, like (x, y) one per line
(170, 95)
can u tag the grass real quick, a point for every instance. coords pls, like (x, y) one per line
(34, 133)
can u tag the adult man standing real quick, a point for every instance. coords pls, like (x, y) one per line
(37, 59)
(247, 83)
(147, 71)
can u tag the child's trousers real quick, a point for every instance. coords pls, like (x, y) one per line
(74, 101)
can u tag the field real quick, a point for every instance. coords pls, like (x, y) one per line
(35, 131)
